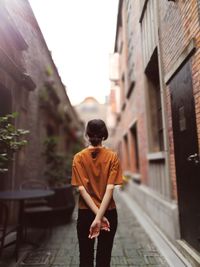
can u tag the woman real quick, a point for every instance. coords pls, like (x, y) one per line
(95, 171)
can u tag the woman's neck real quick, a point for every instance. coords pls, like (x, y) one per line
(91, 146)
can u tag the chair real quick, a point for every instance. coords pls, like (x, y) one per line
(34, 184)
(35, 210)
(8, 234)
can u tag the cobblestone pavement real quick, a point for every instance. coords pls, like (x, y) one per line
(132, 246)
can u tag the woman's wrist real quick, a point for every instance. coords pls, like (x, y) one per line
(98, 217)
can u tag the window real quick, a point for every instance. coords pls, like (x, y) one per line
(126, 153)
(154, 108)
(122, 87)
(134, 149)
(50, 130)
(130, 47)
(148, 29)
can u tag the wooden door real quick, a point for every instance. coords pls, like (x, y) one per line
(186, 155)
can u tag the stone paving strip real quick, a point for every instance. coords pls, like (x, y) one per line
(132, 246)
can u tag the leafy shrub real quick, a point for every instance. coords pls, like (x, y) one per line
(11, 140)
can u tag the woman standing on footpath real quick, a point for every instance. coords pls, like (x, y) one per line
(95, 171)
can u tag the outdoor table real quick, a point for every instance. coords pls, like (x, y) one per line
(21, 196)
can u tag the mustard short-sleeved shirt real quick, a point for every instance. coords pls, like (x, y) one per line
(96, 173)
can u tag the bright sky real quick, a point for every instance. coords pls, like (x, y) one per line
(80, 34)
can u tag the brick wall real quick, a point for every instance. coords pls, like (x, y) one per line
(134, 111)
(35, 59)
(179, 24)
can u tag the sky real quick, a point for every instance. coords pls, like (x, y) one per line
(80, 34)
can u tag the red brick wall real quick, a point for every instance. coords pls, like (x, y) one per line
(35, 60)
(179, 24)
(135, 105)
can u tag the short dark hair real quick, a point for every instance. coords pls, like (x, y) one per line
(97, 131)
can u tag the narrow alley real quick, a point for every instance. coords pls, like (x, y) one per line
(95, 94)
(132, 246)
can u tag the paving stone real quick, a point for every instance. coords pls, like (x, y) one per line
(136, 261)
(119, 260)
(61, 260)
(153, 259)
(75, 260)
(132, 253)
(132, 246)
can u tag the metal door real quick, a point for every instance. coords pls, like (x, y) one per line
(186, 155)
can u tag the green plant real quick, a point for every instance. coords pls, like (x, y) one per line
(55, 172)
(48, 71)
(10, 140)
(69, 159)
(43, 95)
(58, 169)
(47, 93)
(126, 179)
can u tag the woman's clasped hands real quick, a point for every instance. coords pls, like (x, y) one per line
(98, 225)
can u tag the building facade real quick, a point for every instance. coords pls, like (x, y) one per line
(30, 85)
(90, 109)
(157, 130)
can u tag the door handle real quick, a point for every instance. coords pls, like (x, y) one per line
(193, 158)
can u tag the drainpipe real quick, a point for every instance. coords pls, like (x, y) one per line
(164, 108)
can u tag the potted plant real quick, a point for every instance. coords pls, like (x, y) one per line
(62, 201)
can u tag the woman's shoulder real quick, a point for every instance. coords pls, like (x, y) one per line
(80, 153)
(111, 152)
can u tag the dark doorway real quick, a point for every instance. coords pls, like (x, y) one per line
(186, 155)
(5, 108)
(154, 113)
(5, 101)
(135, 151)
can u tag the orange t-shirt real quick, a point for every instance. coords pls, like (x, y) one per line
(96, 173)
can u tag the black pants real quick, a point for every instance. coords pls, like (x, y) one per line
(105, 239)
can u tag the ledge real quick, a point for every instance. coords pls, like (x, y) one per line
(156, 156)
(28, 82)
(164, 243)
(15, 71)
(135, 176)
(189, 253)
